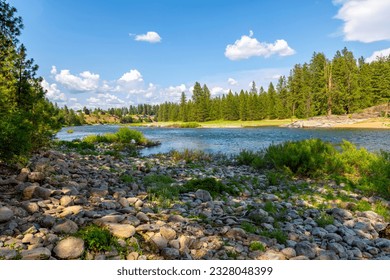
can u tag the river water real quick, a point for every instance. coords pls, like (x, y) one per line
(232, 140)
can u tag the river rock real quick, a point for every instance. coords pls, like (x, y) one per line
(36, 176)
(170, 253)
(7, 254)
(306, 248)
(66, 226)
(121, 230)
(40, 253)
(142, 217)
(203, 195)
(69, 248)
(6, 214)
(66, 200)
(159, 241)
(341, 214)
(168, 233)
(338, 249)
(272, 255)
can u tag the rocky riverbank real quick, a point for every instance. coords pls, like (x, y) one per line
(44, 207)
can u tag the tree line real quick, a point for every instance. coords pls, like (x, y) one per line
(341, 85)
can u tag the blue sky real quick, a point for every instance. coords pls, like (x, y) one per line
(121, 52)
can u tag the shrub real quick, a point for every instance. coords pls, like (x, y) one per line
(97, 238)
(278, 234)
(257, 246)
(311, 157)
(324, 219)
(190, 156)
(248, 227)
(124, 135)
(211, 185)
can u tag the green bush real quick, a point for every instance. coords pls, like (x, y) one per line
(324, 219)
(257, 246)
(190, 156)
(311, 157)
(97, 238)
(211, 185)
(124, 135)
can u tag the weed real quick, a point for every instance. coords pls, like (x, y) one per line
(248, 227)
(382, 210)
(97, 238)
(211, 185)
(190, 156)
(125, 178)
(270, 207)
(232, 254)
(324, 219)
(257, 246)
(70, 131)
(363, 206)
(278, 234)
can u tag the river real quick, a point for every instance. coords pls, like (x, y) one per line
(232, 140)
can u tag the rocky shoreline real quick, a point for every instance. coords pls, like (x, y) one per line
(44, 206)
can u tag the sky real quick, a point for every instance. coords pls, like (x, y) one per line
(125, 52)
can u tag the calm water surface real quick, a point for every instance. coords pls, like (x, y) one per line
(232, 140)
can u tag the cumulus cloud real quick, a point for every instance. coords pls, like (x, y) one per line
(365, 20)
(85, 81)
(175, 91)
(232, 82)
(104, 99)
(215, 91)
(377, 54)
(52, 92)
(151, 37)
(131, 76)
(248, 46)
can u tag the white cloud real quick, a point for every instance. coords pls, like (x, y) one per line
(175, 91)
(105, 99)
(52, 92)
(215, 91)
(131, 76)
(365, 20)
(151, 37)
(232, 82)
(376, 54)
(247, 47)
(86, 81)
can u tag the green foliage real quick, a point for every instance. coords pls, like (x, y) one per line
(257, 246)
(270, 207)
(97, 239)
(324, 219)
(311, 157)
(161, 190)
(381, 209)
(126, 178)
(369, 172)
(70, 131)
(248, 227)
(278, 234)
(213, 186)
(190, 156)
(124, 135)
